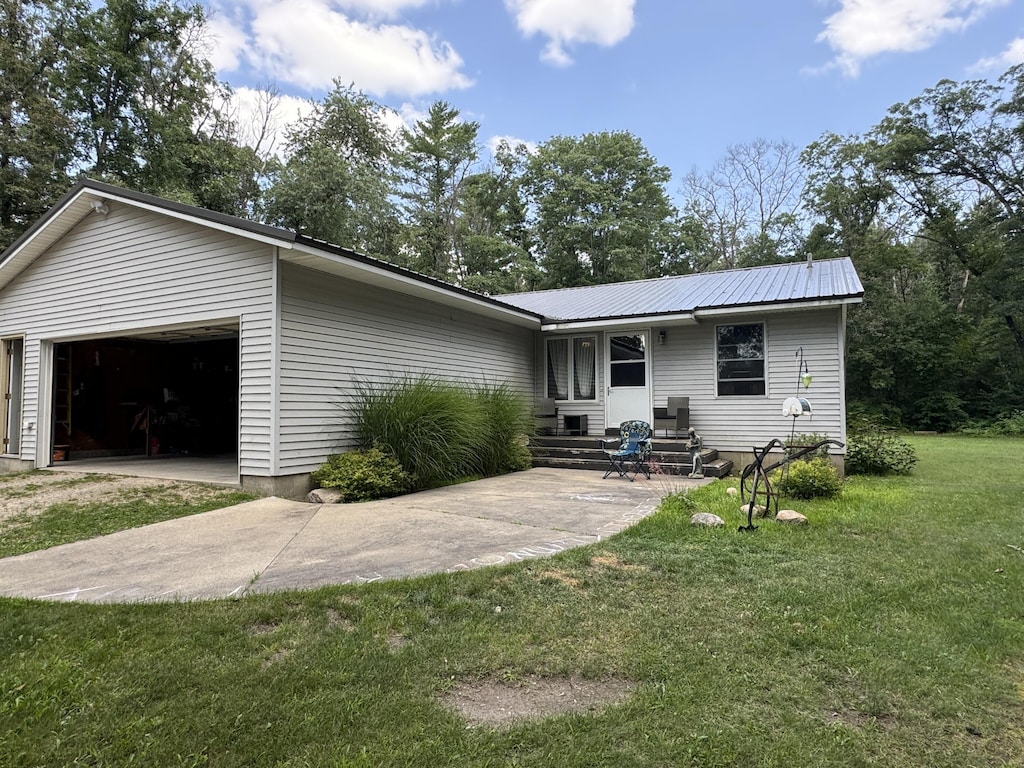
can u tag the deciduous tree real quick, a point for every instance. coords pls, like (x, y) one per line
(600, 210)
(337, 181)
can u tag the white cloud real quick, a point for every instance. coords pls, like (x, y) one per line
(512, 141)
(248, 109)
(380, 8)
(569, 22)
(308, 44)
(225, 42)
(1013, 54)
(861, 29)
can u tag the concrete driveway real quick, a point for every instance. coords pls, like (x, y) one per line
(273, 544)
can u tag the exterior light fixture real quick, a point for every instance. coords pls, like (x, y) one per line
(661, 337)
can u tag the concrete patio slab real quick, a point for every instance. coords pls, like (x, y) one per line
(274, 544)
(216, 470)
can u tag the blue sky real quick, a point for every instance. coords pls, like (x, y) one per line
(688, 78)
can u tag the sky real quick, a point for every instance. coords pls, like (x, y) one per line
(688, 78)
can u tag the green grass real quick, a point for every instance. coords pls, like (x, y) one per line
(888, 632)
(65, 522)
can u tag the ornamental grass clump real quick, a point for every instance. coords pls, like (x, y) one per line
(441, 431)
(429, 425)
(506, 420)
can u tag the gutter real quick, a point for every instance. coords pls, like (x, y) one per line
(711, 312)
(675, 318)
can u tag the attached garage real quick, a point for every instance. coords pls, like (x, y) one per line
(169, 393)
(139, 327)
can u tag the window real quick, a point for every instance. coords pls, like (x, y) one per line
(628, 366)
(740, 353)
(571, 361)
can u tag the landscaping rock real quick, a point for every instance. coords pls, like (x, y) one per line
(324, 496)
(790, 516)
(759, 511)
(707, 519)
(733, 491)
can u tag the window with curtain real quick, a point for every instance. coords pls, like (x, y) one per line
(572, 368)
(740, 357)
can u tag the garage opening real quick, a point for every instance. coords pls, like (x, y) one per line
(167, 393)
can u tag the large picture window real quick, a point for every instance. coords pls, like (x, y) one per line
(571, 367)
(740, 356)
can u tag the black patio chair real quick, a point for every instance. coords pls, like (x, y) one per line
(546, 416)
(675, 416)
(631, 451)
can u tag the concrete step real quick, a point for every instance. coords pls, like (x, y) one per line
(712, 468)
(592, 452)
(567, 441)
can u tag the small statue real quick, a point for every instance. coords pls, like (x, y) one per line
(695, 445)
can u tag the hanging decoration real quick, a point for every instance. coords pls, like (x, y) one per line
(798, 406)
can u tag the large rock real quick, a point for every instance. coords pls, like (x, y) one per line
(324, 496)
(791, 517)
(759, 511)
(707, 520)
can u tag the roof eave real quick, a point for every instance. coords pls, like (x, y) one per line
(694, 316)
(775, 306)
(605, 323)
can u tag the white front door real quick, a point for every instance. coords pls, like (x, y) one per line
(628, 374)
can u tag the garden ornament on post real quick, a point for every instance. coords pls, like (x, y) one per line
(798, 406)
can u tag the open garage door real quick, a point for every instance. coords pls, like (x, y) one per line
(167, 393)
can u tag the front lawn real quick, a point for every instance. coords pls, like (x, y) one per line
(888, 632)
(41, 509)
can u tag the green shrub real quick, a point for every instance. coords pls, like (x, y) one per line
(440, 430)
(1011, 425)
(363, 475)
(814, 479)
(870, 417)
(877, 453)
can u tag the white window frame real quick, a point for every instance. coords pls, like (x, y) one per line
(764, 360)
(571, 364)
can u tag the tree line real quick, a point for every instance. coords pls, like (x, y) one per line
(928, 203)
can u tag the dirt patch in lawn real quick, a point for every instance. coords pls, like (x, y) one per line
(498, 702)
(33, 492)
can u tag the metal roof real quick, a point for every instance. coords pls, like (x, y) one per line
(78, 203)
(829, 281)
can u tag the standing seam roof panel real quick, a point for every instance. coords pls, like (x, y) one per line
(832, 279)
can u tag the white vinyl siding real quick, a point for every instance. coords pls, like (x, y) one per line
(336, 333)
(685, 366)
(133, 270)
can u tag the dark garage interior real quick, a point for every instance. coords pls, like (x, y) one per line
(171, 393)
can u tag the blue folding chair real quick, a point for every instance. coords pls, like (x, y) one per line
(631, 451)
